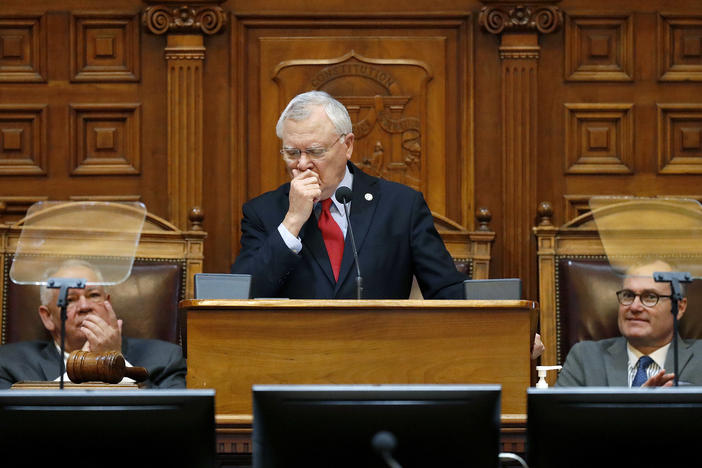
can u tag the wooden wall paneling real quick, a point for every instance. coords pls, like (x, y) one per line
(105, 47)
(599, 138)
(23, 149)
(392, 74)
(23, 49)
(519, 27)
(679, 40)
(679, 138)
(85, 125)
(599, 47)
(105, 139)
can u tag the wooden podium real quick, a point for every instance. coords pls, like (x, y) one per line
(232, 345)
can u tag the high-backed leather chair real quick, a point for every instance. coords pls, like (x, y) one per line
(470, 250)
(577, 287)
(165, 262)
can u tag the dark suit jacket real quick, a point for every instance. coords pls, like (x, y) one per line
(604, 363)
(395, 237)
(38, 360)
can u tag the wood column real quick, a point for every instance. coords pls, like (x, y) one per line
(519, 27)
(185, 27)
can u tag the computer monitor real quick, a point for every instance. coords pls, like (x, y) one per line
(613, 427)
(334, 425)
(493, 289)
(107, 428)
(222, 286)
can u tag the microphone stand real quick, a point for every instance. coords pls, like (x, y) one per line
(674, 278)
(63, 285)
(359, 280)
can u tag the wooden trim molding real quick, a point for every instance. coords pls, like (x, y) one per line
(185, 26)
(520, 17)
(519, 26)
(184, 19)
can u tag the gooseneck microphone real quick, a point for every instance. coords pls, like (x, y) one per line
(343, 196)
(384, 443)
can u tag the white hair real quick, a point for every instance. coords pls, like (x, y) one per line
(45, 291)
(301, 106)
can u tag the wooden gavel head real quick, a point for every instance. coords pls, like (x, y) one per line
(84, 366)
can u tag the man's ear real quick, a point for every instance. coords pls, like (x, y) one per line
(348, 140)
(682, 307)
(45, 315)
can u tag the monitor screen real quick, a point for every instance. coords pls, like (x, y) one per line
(334, 425)
(493, 289)
(107, 428)
(613, 427)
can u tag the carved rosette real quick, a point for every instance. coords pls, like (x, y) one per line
(161, 19)
(544, 19)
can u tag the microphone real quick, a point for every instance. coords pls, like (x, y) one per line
(343, 196)
(384, 443)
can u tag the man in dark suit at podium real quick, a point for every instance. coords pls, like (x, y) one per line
(642, 356)
(91, 325)
(295, 240)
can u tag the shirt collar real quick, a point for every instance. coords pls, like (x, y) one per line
(347, 181)
(658, 355)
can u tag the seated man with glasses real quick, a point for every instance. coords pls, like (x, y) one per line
(294, 239)
(642, 355)
(91, 325)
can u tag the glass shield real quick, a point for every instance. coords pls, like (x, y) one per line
(635, 230)
(105, 234)
(654, 248)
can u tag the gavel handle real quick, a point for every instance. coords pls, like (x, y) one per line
(138, 374)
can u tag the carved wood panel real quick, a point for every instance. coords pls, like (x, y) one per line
(599, 138)
(599, 47)
(22, 49)
(679, 47)
(23, 139)
(105, 47)
(79, 118)
(397, 79)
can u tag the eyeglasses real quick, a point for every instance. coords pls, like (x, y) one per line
(648, 298)
(293, 154)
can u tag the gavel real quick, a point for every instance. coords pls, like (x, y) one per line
(84, 366)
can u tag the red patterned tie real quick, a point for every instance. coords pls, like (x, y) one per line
(333, 237)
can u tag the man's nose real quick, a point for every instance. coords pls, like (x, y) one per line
(305, 162)
(83, 304)
(637, 305)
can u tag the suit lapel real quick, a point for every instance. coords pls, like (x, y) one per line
(49, 362)
(617, 364)
(364, 201)
(312, 240)
(684, 357)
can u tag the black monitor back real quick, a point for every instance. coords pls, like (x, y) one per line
(107, 428)
(614, 427)
(327, 425)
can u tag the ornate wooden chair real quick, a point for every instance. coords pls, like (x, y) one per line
(577, 287)
(470, 249)
(162, 274)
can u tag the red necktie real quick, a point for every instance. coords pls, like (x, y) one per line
(333, 237)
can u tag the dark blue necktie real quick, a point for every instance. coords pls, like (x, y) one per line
(641, 377)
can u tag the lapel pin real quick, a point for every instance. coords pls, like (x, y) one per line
(368, 196)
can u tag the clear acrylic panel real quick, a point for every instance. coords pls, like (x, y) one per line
(105, 234)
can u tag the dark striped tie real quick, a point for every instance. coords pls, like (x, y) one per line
(641, 377)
